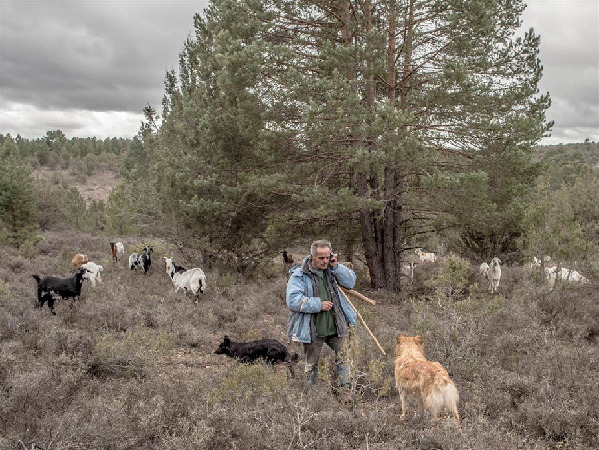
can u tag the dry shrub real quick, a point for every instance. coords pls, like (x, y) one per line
(69, 342)
(127, 355)
(370, 374)
(451, 280)
(116, 367)
(248, 382)
(131, 365)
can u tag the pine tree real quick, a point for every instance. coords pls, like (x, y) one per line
(17, 198)
(213, 150)
(416, 115)
(387, 120)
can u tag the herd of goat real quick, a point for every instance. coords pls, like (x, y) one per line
(49, 287)
(194, 280)
(492, 271)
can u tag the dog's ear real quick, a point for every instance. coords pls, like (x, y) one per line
(419, 340)
(399, 338)
(226, 340)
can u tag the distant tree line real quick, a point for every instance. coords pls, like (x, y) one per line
(81, 155)
(28, 203)
(565, 163)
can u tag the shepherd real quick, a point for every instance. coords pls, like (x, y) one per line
(319, 313)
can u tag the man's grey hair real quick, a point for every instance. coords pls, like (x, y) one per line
(319, 244)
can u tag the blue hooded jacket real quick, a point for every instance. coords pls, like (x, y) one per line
(304, 305)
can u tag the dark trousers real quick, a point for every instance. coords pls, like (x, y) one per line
(312, 352)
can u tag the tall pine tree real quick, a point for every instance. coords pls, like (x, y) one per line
(380, 120)
(17, 199)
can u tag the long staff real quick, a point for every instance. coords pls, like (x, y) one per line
(363, 323)
(361, 297)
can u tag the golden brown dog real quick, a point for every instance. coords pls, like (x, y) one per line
(414, 374)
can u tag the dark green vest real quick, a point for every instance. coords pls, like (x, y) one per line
(324, 320)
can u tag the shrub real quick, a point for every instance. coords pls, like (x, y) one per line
(451, 280)
(248, 382)
(18, 208)
(126, 355)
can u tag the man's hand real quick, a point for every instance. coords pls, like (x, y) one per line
(333, 261)
(326, 306)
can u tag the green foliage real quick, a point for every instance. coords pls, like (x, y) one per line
(61, 207)
(74, 208)
(566, 163)
(555, 221)
(56, 151)
(95, 216)
(302, 121)
(142, 342)
(451, 280)
(127, 355)
(17, 199)
(120, 219)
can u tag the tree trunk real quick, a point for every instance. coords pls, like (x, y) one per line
(367, 184)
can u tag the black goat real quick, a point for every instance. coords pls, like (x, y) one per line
(270, 350)
(287, 258)
(63, 287)
(146, 262)
(141, 261)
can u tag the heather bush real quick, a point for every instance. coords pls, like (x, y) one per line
(247, 383)
(450, 282)
(131, 364)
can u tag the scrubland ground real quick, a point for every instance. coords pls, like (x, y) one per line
(131, 364)
(96, 186)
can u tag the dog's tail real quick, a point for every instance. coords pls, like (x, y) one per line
(444, 395)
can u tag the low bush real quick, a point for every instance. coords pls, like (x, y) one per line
(131, 364)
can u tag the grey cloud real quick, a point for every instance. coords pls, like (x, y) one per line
(100, 56)
(76, 62)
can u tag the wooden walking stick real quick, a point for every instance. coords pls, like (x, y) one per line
(363, 323)
(361, 297)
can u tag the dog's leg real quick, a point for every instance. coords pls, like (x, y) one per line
(456, 416)
(51, 304)
(402, 398)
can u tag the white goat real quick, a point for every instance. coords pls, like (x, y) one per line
(135, 261)
(494, 274)
(94, 272)
(193, 280)
(483, 270)
(430, 257)
(536, 262)
(569, 275)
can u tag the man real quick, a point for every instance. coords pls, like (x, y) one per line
(319, 312)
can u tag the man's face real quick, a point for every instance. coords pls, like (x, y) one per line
(321, 260)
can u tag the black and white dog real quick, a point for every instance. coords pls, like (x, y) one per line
(270, 350)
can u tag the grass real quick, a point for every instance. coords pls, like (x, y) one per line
(131, 364)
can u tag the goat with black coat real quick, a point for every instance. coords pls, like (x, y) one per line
(146, 262)
(270, 350)
(287, 257)
(63, 287)
(141, 261)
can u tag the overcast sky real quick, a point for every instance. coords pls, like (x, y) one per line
(89, 67)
